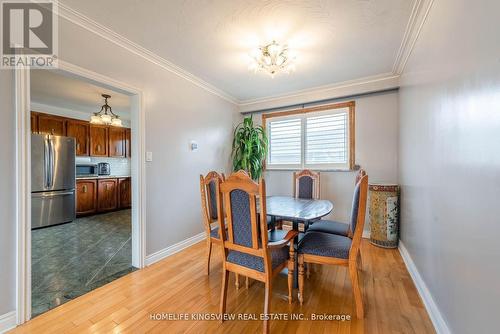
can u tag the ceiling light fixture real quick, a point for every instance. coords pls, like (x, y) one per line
(273, 58)
(102, 117)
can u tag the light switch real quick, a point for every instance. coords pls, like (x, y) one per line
(149, 156)
(193, 145)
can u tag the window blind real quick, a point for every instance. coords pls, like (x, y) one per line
(313, 139)
(285, 142)
(326, 139)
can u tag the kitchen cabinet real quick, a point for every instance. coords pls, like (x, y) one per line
(79, 130)
(116, 142)
(128, 142)
(98, 140)
(86, 197)
(52, 125)
(124, 193)
(102, 195)
(90, 139)
(34, 122)
(107, 197)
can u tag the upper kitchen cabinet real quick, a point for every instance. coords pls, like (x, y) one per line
(128, 142)
(99, 140)
(90, 139)
(52, 125)
(34, 122)
(116, 142)
(80, 130)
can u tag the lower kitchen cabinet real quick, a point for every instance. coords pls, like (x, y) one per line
(86, 197)
(102, 195)
(107, 196)
(124, 193)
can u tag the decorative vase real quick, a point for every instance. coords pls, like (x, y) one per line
(384, 215)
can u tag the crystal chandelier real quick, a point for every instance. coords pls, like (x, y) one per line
(102, 117)
(272, 59)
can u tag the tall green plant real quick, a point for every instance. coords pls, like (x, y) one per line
(249, 148)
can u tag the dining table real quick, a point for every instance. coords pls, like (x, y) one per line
(295, 210)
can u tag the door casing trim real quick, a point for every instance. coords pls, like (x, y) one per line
(23, 177)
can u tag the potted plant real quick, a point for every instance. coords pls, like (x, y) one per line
(249, 148)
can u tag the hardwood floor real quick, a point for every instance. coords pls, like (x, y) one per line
(178, 285)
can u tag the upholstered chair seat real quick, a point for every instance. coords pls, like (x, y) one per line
(278, 257)
(330, 226)
(325, 244)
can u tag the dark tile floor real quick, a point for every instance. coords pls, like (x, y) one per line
(72, 259)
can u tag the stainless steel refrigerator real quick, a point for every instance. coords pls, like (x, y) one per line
(52, 180)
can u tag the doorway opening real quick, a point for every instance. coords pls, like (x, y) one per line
(82, 224)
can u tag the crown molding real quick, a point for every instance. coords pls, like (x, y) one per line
(418, 16)
(112, 36)
(347, 88)
(321, 89)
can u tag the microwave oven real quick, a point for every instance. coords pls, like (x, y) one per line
(87, 170)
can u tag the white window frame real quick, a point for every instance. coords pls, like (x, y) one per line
(305, 113)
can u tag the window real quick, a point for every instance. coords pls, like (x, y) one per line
(315, 138)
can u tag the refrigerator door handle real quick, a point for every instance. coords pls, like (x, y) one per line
(52, 161)
(46, 158)
(53, 194)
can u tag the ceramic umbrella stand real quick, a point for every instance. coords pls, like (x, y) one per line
(384, 215)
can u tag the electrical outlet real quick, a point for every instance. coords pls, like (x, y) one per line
(149, 156)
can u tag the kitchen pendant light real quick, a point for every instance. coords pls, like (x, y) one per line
(103, 117)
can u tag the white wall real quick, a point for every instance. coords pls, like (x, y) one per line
(376, 122)
(450, 161)
(7, 195)
(176, 111)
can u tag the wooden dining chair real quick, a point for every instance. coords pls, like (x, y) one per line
(326, 248)
(247, 250)
(333, 226)
(208, 191)
(306, 184)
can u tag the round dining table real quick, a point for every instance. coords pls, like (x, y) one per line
(297, 211)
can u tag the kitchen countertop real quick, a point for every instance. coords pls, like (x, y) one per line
(102, 177)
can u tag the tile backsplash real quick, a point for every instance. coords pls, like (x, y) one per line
(119, 166)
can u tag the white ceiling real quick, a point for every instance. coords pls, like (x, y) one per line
(58, 90)
(335, 41)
